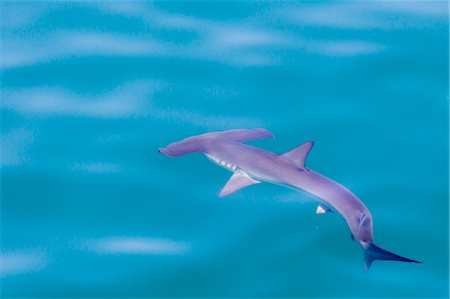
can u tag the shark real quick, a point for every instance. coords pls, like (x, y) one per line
(251, 165)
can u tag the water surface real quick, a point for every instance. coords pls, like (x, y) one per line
(90, 90)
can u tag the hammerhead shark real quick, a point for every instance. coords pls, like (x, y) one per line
(251, 165)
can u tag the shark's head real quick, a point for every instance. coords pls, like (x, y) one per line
(362, 228)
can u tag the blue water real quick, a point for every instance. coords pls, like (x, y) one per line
(90, 90)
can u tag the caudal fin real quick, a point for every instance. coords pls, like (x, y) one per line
(197, 143)
(373, 252)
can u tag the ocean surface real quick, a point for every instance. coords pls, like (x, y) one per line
(90, 90)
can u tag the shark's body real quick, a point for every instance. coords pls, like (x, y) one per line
(251, 165)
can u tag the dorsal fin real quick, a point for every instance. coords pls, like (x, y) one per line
(237, 181)
(298, 155)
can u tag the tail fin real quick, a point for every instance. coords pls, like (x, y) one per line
(373, 252)
(197, 143)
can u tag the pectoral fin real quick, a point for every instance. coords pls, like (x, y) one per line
(237, 181)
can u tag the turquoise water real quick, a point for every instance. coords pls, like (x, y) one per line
(90, 90)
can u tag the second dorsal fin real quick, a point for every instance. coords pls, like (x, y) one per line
(322, 209)
(298, 155)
